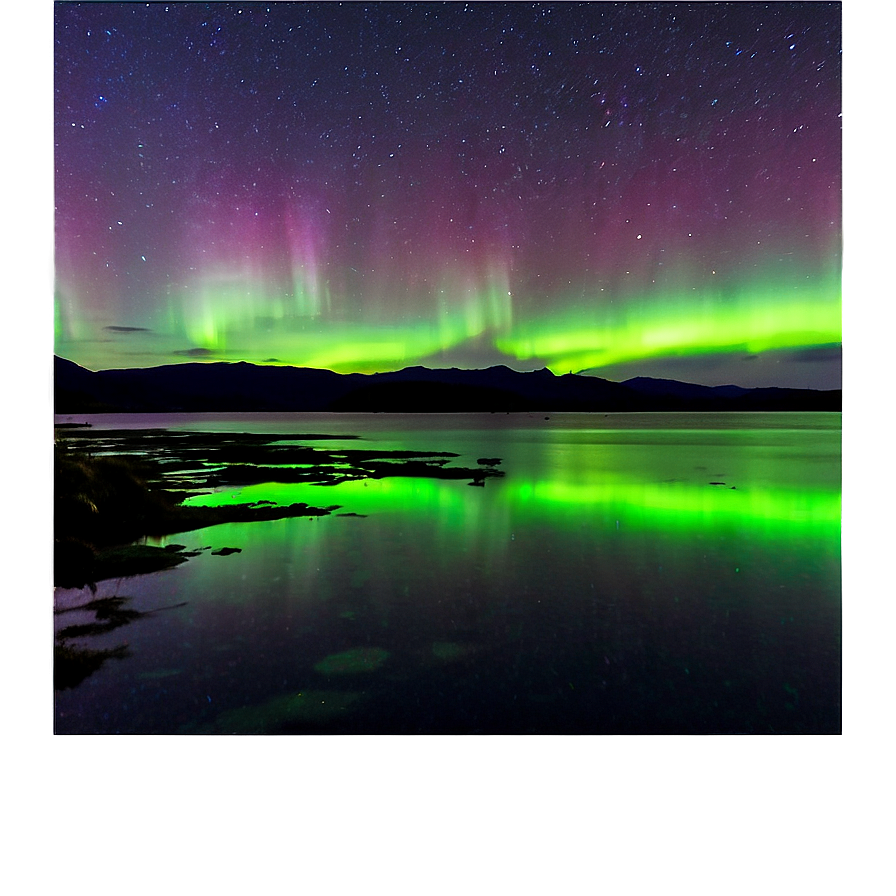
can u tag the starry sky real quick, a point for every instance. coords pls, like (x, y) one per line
(620, 189)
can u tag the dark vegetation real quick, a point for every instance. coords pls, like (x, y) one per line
(110, 613)
(72, 664)
(105, 502)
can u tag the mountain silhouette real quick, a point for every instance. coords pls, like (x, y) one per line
(240, 386)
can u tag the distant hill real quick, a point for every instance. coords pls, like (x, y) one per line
(229, 387)
(689, 396)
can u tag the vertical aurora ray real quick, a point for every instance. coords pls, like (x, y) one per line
(310, 291)
(233, 302)
(471, 303)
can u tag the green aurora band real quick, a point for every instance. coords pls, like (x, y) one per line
(233, 322)
(752, 322)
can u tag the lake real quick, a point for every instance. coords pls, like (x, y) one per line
(629, 574)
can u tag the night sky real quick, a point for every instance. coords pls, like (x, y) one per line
(623, 189)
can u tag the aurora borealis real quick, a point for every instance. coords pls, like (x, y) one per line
(624, 189)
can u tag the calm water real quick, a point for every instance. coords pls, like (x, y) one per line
(604, 585)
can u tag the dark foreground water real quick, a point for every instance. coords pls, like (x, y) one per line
(631, 573)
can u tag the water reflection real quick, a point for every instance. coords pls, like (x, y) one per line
(605, 584)
(597, 490)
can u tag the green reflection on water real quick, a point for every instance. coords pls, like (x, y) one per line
(609, 557)
(354, 496)
(268, 717)
(350, 662)
(680, 506)
(672, 506)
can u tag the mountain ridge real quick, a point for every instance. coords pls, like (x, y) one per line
(241, 386)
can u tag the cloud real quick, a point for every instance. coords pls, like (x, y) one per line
(197, 352)
(818, 353)
(128, 329)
